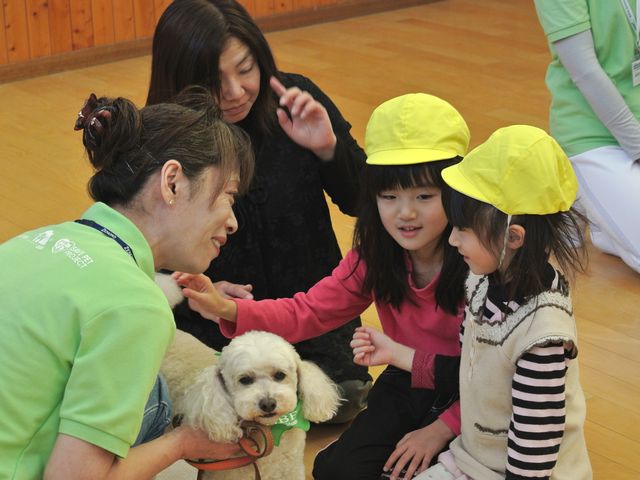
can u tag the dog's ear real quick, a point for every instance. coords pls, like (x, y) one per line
(208, 406)
(319, 395)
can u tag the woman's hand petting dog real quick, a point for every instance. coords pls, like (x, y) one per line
(210, 300)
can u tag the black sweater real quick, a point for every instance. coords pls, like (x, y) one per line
(285, 242)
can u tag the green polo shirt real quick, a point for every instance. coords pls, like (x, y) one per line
(83, 329)
(572, 121)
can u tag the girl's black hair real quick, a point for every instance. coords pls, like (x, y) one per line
(386, 273)
(556, 235)
(187, 44)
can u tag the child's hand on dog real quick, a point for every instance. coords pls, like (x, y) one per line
(209, 300)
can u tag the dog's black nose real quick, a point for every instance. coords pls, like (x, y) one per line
(267, 405)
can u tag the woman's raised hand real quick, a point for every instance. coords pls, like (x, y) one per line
(308, 122)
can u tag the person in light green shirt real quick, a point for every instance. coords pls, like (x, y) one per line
(594, 112)
(84, 326)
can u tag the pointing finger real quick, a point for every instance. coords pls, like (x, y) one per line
(277, 86)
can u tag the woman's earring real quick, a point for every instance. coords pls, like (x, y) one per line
(171, 202)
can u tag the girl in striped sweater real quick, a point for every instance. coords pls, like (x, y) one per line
(522, 407)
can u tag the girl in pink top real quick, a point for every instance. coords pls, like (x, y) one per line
(400, 261)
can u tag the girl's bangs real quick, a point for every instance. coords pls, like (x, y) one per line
(385, 177)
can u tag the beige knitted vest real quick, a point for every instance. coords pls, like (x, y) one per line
(488, 363)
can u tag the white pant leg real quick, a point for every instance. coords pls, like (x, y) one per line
(445, 469)
(610, 193)
(437, 472)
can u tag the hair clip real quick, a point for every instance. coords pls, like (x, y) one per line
(83, 115)
(94, 126)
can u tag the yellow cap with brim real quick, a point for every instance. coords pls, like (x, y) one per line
(415, 128)
(519, 170)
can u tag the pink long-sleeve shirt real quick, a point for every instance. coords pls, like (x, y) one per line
(338, 298)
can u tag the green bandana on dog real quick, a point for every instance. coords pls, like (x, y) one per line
(293, 419)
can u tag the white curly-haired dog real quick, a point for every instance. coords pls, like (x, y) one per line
(257, 377)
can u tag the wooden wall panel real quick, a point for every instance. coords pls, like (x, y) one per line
(81, 24)
(103, 26)
(38, 26)
(4, 59)
(16, 29)
(304, 4)
(123, 20)
(60, 26)
(53, 31)
(144, 18)
(250, 5)
(159, 6)
(265, 8)
(282, 6)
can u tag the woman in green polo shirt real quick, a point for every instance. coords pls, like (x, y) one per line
(594, 79)
(84, 326)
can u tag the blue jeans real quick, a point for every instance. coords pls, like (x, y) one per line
(157, 412)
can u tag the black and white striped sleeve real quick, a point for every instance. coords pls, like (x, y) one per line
(538, 419)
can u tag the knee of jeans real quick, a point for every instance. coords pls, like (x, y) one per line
(155, 420)
(164, 414)
(165, 407)
(157, 413)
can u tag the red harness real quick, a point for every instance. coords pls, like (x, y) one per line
(256, 442)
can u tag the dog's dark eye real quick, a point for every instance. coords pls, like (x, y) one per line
(279, 376)
(246, 380)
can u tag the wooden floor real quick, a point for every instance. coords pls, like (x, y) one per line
(488, 58)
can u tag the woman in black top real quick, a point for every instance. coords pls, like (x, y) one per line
(285, 241)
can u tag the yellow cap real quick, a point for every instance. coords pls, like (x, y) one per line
(415, 128)
(519, 170)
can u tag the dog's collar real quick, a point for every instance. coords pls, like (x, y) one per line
(224, 385)
(293, 419)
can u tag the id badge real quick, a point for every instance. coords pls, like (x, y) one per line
(635, 71)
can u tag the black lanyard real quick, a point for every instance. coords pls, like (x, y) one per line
(108, 233)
